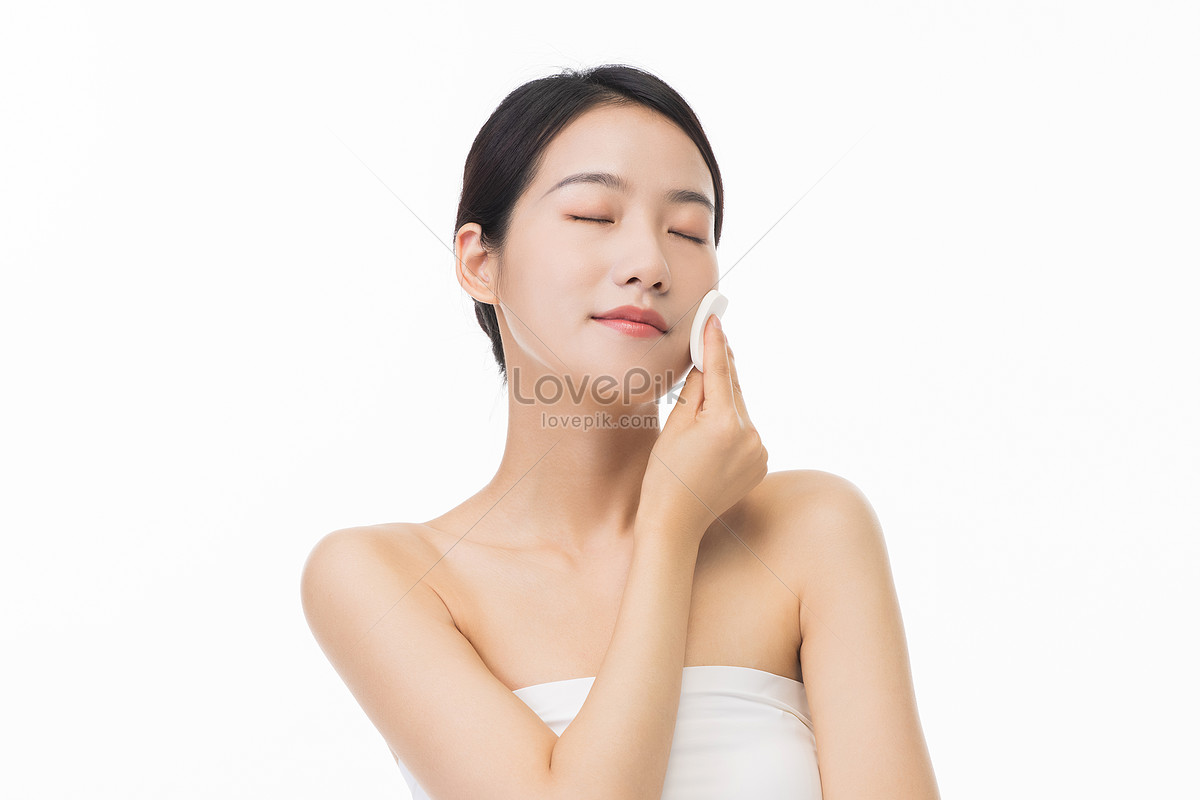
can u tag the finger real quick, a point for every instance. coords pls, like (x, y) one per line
(738, 400)
(718, 389)
(692, 393)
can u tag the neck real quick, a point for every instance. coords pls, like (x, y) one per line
(571, 473)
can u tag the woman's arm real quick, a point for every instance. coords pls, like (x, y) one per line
(618, 744)
(854, 654)
(457, 728)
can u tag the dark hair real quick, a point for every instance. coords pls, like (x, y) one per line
(508, 150)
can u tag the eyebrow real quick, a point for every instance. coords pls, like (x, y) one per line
(617, 183)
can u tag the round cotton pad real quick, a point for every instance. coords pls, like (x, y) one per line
(713, 303)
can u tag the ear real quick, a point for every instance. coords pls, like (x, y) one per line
(475, 268)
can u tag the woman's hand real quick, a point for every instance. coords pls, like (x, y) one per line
(709, 454)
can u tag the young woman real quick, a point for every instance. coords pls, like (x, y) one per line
(623, 611)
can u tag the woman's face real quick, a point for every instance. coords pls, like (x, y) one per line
(560, 269)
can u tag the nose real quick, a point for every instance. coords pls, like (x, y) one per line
(647, 266)
(655, 277)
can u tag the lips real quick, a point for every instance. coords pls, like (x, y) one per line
(646, 316)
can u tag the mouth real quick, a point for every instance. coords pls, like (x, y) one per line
(633, 321)
(627, 326)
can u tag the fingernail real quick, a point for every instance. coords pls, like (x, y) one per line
(717, 321)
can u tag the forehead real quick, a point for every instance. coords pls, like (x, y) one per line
(642, 146)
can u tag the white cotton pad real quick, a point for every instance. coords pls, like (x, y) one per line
(713, 303)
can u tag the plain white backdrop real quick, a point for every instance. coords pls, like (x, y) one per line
(230, 326)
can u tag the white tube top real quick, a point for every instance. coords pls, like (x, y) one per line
(740, 732)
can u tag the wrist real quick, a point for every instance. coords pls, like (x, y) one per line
(685, 520)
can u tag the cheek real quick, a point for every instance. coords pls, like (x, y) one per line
(695, 281)
(547, 299)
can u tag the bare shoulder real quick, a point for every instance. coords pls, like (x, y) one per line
(387, 557)
(809, 516)
(815, 503)
(394, 643)
(789, 482)
(395, 546)
(805, 505)
(385, 540)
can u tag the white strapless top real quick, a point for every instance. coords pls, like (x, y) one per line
(740, 732)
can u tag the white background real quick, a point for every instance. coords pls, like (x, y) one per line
(224, 337)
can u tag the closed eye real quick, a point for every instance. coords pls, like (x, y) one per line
(677, 233)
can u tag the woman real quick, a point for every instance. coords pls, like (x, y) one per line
(705, 628)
